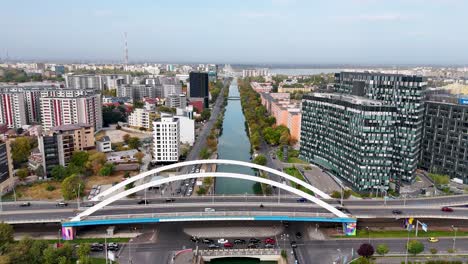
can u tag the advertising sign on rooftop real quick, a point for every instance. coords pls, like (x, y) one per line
(463, 101)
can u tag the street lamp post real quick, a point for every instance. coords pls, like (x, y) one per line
(342, 191)
(78, 195)
(455, 237)
(406, 254)
(368, 233)
(341, 255)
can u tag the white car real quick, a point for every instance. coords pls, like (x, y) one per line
(209, 210)
(222, 241)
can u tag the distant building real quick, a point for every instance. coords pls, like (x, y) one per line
(71, 108)
(84, 81)
(261, 87)
(444, 147)
(176, 100)
(104, 144)
(185, 111)
(83, 135)
(199, 87)
(351, 136)
(255, 72)
(6, 168)
(13, 110)
(187, 129)
(166, 138)
(285, 111)
(140, 118)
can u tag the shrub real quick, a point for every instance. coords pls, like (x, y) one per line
(433, 250)
(366, 250)
(415, 247)
(382, 249)
(284, 254)
(50, 188)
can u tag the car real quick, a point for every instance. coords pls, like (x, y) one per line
(194, 239)
(298, 235)
(169, 200)
(446, 209)
(293, 244)
(252, 245)
(89, 204)
(269, 245)
(113, 246)
(273, 157)
(207, 241)
(209, 210)
(254, 240)
(301, 200)
(286, 224)
(25, 204)
(61, 204)
(239, 241)
(397, 212)
(270, 241)
(143, 201)
(228, 245)
(433, 239)
(97, 247)
(222, 241)
(213, 246)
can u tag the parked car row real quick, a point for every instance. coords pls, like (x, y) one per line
(251, 243)
(187, 186)
(100, 246)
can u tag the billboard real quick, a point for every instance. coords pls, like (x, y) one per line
(68, 233)
(349, 229)
(463, 101)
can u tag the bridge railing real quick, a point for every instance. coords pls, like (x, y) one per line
(210, 214)
(239, 252)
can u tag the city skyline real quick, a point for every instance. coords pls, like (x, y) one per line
(264, 31)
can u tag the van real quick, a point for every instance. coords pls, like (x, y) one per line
(209, 210)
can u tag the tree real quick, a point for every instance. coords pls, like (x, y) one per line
(284, 139)
(96, 161)
(4, 259)
(134, 143)
(366, 250)
(72, 186)
(205, 114)
(50, 255)
(107, 169)
(126, 138)
(138, 104)
(22, 173)
(83, 254)
(139, 156)
(382, 249)
(260, 160)
(207, 181)
(39, 171)
(204, 153)
(6, 236)
(79, 158)
(415, 247)
(363, 260)
(20, 150)
(59, 172)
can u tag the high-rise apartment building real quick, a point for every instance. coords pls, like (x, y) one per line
(6, 168)
(71, 108)
(404, 92)
(352, 136)
(176, 101)
(13, 110)
(199, 86)
(166, 138)
(140, 118)
(444, 148)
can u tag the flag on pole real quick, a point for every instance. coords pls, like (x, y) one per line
(424, 227)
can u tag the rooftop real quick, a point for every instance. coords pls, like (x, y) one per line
(71, 127)
(357, 100)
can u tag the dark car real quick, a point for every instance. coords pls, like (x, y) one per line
(97, 247)
(252, 245)
(213, 246)
(89, 205)
(397, 212)
(113, 246)
(25, 204)
(208, 241)
(254, 240)
(143, 202)
(301, 200)
(169, 200)
(446, 209)
(298, 235)
(61, 204)
(194, 239)
(286, 224)
(293, 244)
(239, 241)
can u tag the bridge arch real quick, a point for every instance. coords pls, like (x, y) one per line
(210, 161)
(285, 187)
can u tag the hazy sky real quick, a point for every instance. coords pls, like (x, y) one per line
(238, 31)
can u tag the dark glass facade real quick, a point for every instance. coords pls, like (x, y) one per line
(4, 169)
(199, 86)
(445, 142)
(351, 136)
(404, 92)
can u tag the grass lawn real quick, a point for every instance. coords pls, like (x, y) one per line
(38, 191)
(100, 261)
(402, 233)
(294, 172)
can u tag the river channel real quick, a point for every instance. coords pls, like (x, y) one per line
(234, 144)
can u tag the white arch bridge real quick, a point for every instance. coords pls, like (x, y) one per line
(111, 195)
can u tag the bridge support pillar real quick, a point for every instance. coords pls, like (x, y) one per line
(68, 232)
(349, 229)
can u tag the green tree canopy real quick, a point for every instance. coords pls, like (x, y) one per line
(6, 236)
(382, 249)
(205, 114)
(107, 169)
(415, 247)
(260, 160)
(59, 172)
(70, 187)
(79, 158)
(134, 143)
(20, 150)
(22, 173)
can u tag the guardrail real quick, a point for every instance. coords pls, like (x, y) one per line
(441, 216)
(239, 252)
(210, 214)
(33, 221)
